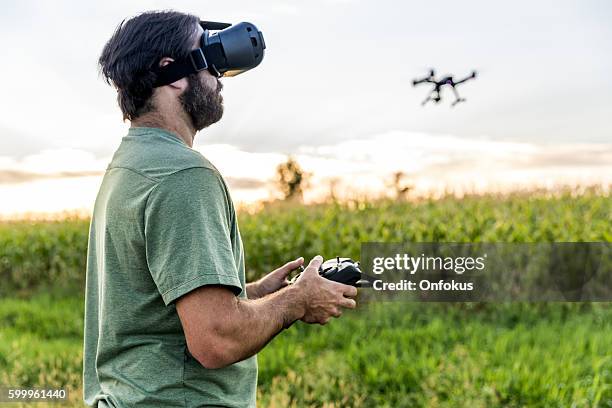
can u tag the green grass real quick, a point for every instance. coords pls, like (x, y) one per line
(41, 342)
(446, 355)
(53, 254)
(395, 355)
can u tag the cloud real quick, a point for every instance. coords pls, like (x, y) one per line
(439, 162)
(17, 176)
(591, 155)
(51, 164)
(68, 178)
(315, 87)
(245, 183)
(17, 144)
(241, 164)
(50, 161)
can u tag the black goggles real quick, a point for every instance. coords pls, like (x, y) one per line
(229, 51)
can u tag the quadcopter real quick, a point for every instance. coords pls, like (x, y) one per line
(434, 95)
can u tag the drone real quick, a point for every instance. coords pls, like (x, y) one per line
(434, 95)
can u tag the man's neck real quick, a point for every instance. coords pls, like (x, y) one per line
(179, 127)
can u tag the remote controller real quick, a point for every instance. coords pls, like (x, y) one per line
(342, 270)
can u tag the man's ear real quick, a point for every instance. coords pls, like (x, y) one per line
(180, 84)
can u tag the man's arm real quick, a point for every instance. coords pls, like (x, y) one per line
(222, 329)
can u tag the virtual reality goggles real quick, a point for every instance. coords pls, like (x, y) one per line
(231, 50)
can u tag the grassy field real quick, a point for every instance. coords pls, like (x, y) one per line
(395, 355)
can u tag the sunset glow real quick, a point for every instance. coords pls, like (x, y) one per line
(50, 182)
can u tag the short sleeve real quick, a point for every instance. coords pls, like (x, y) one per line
(187, 234)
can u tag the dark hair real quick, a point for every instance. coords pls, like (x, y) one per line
(130, 58)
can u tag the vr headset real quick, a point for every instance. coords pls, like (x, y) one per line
(229, 51)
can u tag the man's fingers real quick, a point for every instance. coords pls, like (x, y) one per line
(289, 266)
(349, 291)
(346, 290)
(314, 264)
(348, 303)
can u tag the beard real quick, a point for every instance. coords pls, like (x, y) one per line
(203, 105)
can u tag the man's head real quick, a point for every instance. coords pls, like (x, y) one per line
(142, 44)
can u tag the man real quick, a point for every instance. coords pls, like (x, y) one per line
(169, 320)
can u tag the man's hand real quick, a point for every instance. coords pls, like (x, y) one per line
(323, 298)
(221, 329)
(273, 281)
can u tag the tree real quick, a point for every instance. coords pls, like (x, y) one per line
(400, 187)
(291, 179)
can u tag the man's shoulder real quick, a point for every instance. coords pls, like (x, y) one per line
(157, 156)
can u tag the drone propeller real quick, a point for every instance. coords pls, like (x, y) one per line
(466, 78)
(476, 72)
(431, 72)
(429, 78)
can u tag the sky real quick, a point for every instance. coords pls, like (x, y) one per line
(334, 90)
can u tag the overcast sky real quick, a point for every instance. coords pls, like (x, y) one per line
(335, 72)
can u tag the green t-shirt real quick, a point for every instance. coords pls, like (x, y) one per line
(163, 225)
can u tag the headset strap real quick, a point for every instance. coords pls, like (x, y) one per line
(180, 68)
